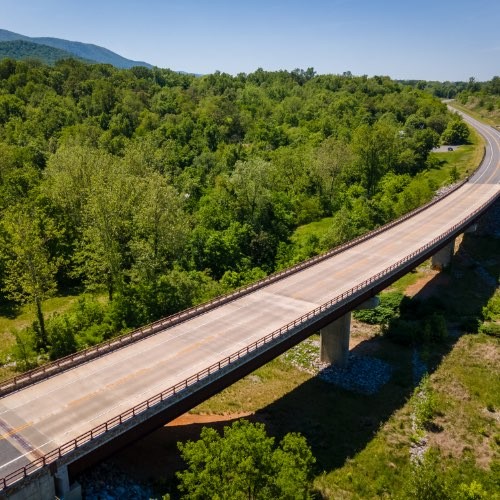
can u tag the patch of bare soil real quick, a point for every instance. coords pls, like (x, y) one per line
(365, 339)
(489, 353)
(452, 444)
(425, 286)
(362, 331)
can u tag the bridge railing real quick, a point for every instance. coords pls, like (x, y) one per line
(203, 374)
(90, 353)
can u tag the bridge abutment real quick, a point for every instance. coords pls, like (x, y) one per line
(334, 344)
(442, 258)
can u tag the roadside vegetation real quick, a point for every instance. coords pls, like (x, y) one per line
(480, 99)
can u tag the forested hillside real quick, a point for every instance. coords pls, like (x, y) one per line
(20, 49)
(163, 189)
(49, 50)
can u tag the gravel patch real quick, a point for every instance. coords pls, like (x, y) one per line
(445, 189)
(107, 482)
(363, 374)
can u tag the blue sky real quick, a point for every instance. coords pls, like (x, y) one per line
(417, 39)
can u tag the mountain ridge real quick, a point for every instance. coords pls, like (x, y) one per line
(81, 50)
(22, 49)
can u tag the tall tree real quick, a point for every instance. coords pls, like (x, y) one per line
(160, 226)
(332, 157)
(30, 273)
(103, 252)
(376, 150)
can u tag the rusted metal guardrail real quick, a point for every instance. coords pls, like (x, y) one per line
(93, 352)
(123, 417)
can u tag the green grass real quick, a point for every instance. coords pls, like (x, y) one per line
(314, 229)
(16, 319)
(465, 159)
(409, 279)
(465, 435)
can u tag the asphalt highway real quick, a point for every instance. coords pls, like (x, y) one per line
(39, 418)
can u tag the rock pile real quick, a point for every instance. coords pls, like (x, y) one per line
(363, 374)
(107, 482)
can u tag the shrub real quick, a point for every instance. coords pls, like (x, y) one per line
(470, 324)
(426, 481)
(437, 328)
(424, 404)
(492, 310)
(401, 331)
(61, 335)
(384, 312)
(472, 491)
(492, 329)
(245, 463)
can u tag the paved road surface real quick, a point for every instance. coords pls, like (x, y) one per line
(40, 418)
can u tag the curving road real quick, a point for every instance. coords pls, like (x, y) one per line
(39, 418)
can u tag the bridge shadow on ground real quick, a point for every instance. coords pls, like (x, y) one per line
(338, 423)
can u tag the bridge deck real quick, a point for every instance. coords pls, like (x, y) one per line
(41, 417)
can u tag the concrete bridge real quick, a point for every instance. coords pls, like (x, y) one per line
(57, 419)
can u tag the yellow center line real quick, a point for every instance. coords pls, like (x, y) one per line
(15, 431)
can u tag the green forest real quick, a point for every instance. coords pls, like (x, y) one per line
(152, 190)
(23, 49)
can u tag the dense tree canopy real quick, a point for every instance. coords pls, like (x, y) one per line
(245, 464)
(163, 189)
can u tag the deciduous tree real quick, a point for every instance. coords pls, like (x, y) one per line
(31, 270)
(245, 464)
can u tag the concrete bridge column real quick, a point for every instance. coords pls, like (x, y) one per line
(442, 258)
(63, 489)
(61, 480)
(334, 345)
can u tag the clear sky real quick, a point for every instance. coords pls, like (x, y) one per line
(413, 39)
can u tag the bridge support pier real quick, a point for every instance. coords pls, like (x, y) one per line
(442, 258)
(63, 488)
(334, 344)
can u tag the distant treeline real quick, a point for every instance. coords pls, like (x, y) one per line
(164, 189)
(452, 90)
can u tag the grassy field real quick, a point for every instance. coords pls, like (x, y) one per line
(15, 319)
(303, 233)
(465, 159)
